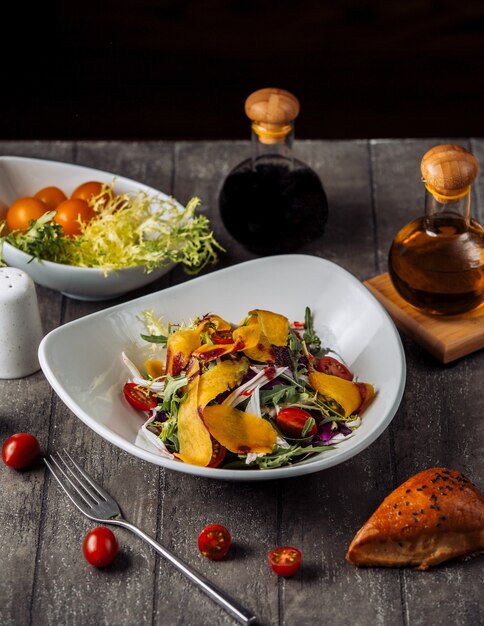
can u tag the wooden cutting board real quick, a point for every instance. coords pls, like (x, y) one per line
(448, 337)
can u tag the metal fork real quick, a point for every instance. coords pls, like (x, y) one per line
(98, 505)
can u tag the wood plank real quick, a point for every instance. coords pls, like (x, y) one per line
(319, 513)
(249, 511)
(343, 167)
(439, 422)
(25, 406)
(71, 588)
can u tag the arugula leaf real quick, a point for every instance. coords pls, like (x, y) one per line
(310, 422)
(163, 339)
(313, 342)
(295, 352)
(283, 456)
(280, 394)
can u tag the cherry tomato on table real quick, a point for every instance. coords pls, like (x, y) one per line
(68, 214)
(214, 541)
(328, 365)
(20, 450)
(285, 561)
(22, 211)
(51, 197)
(100, 546)
(291, 422)
(139, 398)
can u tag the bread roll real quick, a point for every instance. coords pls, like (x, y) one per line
(434, 516)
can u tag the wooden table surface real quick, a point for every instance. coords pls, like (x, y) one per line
(374, 188)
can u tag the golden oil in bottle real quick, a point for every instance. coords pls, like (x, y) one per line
(436, 262)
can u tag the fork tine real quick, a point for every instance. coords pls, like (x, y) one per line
(71, 482)
(104, 494)
(95, 497)
(84, 508)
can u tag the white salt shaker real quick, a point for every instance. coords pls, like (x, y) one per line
(20, 325)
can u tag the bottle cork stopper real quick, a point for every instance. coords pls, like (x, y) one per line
(272, 112)
(449, 169)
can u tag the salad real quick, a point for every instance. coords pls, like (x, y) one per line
(258, 395)
(98, 228)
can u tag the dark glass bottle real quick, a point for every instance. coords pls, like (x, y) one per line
(272, 202)
(436, 261)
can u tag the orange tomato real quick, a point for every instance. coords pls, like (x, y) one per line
(87, 190)
(70, 212)
(22, 211)
(51, 197)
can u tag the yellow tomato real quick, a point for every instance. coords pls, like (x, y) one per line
(70, 212)
(51, 197)
(22, 211)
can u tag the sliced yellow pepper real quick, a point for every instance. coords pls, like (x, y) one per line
(344, 392)
(273, 331)
(222, 377)
(193, 436)
(239, 432)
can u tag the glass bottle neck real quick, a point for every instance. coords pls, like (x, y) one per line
(272, 151)
(440, 211)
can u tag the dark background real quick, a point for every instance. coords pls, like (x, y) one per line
(180, 69)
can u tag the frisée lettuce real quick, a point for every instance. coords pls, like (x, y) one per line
(127, 230)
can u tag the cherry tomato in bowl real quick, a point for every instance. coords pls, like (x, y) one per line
(88, 190)
(70, 212)
(218, 454)
(285, 560)
(222, 337)
(292, 420)
(20, 450)
(22, 211)
(139, 398)
(214, 542)
(100, 546)
(328, 365)
(51, 197)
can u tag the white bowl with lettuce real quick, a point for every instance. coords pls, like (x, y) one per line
(145, 235)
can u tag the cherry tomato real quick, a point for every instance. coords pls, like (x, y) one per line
(51, 197)
(222, 337)
(100, 546)
(138, 398)
(214, 541)
(285, 561)
(20, 450)
(218, 454)
(87, 190)
(291, 422)
(328, 365)
(70, 212)
(22, 211)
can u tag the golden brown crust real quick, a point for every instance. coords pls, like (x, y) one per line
(434, 516)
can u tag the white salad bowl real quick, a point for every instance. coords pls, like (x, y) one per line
(24, 177)
(347, 318)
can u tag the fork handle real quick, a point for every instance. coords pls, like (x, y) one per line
(242, 615)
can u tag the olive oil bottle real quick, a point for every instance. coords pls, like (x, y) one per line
(273, 202)
(436, 262)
